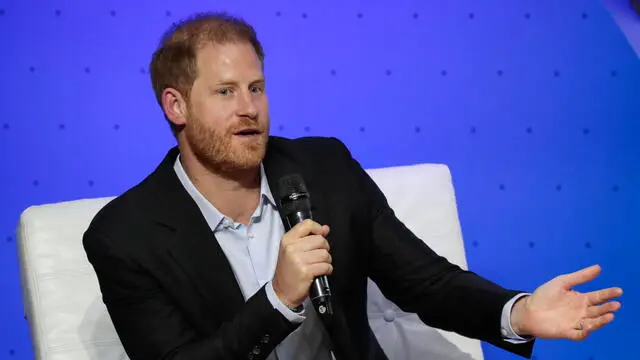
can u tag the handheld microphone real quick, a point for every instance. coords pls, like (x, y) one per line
(296, 206)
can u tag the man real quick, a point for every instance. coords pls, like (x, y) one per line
(194, 262)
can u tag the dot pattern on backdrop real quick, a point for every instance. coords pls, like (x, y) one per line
(532, 106)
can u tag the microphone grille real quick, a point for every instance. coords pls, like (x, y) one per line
(291, 184)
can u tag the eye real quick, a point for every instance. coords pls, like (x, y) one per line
(257, 89)
(224, 91)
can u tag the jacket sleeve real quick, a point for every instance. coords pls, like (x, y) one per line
(151, 327)
(414, 277)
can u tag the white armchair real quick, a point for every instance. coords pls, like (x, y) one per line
(68, 320)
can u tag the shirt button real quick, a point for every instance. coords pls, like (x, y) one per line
(389, 315)
(250, 236)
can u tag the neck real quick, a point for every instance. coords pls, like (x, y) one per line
(236, 194)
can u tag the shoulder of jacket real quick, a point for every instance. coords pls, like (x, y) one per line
(322, 145)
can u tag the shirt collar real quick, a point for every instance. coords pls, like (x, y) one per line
(212, 215)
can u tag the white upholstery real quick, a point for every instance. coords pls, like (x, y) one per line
(68, 320)
(423, 197)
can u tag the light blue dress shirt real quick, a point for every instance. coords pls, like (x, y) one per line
(252, 252)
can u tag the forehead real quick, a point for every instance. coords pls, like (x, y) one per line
(229, 62)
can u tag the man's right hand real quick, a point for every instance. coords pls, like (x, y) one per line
(304, 254)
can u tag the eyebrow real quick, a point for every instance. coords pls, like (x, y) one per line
(230, 82)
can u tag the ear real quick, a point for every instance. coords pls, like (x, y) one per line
(174, 106)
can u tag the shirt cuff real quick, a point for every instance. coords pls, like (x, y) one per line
(505, 322)
(284, 310)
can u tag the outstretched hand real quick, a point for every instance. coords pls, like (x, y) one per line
(556, 311)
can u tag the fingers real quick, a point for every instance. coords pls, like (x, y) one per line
(597, 311)
(309, 243)
(595, 324)
(581, 276)
(320, 269)
(601, 296)
(318, 256)
(308, 227)
(590, 325)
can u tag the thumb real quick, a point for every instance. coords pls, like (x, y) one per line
(326, 229)
(581, 276)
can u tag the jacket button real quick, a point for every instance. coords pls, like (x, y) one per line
(265, 338)
(256, 350)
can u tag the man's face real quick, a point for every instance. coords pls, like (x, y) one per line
(227, 125)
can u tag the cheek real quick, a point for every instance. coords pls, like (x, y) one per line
(263, 106)
(214, 115)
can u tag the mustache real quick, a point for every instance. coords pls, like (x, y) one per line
(248, 125)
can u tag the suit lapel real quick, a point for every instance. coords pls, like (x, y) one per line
(196, 249)
(192, 243)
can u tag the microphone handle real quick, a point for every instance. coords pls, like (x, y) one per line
(320, 295)
(320, 292)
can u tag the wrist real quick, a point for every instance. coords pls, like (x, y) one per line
(291, 305)
(519, 317)
(298, 309)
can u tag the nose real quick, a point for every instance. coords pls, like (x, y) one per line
(247, 106)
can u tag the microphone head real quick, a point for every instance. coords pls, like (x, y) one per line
(293, 193)
(291, 186)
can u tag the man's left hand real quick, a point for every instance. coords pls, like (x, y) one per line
(556, 311)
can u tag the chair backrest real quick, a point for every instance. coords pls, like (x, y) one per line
(68, 320)
(423, 198)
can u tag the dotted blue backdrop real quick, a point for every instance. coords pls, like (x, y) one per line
(534, 105)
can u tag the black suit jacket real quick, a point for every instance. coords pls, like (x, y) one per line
(171, 293)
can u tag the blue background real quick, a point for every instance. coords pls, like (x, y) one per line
(534, 105)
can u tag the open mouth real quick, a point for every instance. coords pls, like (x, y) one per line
(248, 132)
